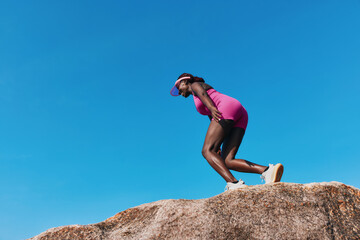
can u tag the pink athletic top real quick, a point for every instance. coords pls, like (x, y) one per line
(228, 106)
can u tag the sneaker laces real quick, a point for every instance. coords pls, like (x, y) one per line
(262, 178)
(263, 174)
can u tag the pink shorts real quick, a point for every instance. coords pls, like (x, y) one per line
(228, 106)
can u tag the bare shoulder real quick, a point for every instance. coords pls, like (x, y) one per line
(206, 86)
(200, 88)
(197, 85)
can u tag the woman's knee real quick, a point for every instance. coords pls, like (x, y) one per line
(206, 150)
(228, 161)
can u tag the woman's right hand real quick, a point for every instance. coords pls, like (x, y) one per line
(216, 114)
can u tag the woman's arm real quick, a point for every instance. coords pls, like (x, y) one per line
(204, 97)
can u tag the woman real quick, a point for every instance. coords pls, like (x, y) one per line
(227, 128)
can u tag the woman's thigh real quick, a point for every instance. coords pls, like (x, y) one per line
(232, 143)
(216, 134)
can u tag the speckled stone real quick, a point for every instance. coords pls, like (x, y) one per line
(272, 211)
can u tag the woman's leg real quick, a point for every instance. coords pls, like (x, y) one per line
(229, 150)
(213, 140)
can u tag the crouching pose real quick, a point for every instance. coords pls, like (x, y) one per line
(228, 121)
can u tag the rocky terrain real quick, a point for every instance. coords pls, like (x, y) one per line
(272, 211)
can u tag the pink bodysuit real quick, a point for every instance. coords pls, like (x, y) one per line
(228, 106)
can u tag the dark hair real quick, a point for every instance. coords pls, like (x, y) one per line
(192, 78)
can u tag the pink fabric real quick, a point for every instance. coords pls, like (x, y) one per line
(228, 106)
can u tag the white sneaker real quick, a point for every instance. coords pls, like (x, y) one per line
(273, 174)
(231, 186)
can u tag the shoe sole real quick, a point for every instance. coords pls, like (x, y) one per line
(278, 172)
(238, 188)
(233, 188)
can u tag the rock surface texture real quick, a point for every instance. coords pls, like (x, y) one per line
(271, 211)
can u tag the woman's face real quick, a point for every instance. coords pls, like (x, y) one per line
(184, 89)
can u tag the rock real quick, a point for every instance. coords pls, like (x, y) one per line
(272, 211)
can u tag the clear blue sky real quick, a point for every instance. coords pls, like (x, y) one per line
(88, 127)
